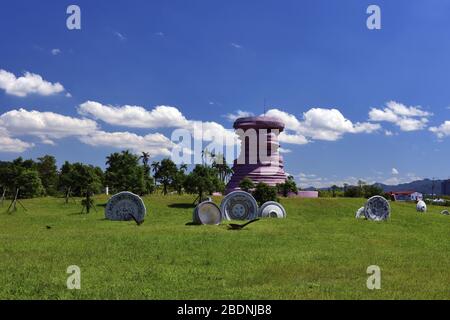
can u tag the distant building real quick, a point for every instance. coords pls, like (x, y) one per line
(406, 195)
(445, 188)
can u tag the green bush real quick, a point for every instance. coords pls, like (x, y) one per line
(246, 184)
(264, 193)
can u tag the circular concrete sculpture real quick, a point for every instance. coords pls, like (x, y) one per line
(125, 205)
(207, 213)
(272, 209)
(360, 213)
(421, 206)
(445, 212)
(239, 205)
(377, 208)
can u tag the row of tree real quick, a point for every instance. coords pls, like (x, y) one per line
(124, 171)
(361, 190)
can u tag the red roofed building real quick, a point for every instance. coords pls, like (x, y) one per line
(406, 195)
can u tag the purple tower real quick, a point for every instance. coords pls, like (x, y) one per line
(259, 159)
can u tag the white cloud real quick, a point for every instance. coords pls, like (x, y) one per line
(312, 180)
(159, 117)
(290, 121)
(134, 116)
(409, 177)
(45, 125)
(29, 83)
(411, 118)
(442, 131)
(156, 144)
(282, 150)
(120, 36)
(394, 171)
(292, 138)
(318, 124)
(56, 51)
(236, 45)
(211, 131)
(239, 114)
(8, 144)
(388, 133)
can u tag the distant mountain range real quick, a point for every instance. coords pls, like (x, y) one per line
(423, 186)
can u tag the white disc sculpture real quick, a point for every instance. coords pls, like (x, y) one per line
(421, 206)
(207, 213)
(272, 209)
(360, 213)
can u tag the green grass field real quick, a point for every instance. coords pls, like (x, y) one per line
(319, 252)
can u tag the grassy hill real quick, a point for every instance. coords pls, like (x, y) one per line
(319, 252)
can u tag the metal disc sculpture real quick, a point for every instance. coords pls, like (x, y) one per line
(207, 213)
(377, 208)
(445, 212)
(360, 213)
(272, 209)
(421, 206)
(125, 206)
(239, 205)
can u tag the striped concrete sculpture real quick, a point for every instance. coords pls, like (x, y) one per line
(259, 159)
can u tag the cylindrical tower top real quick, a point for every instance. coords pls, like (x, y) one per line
(260, 122)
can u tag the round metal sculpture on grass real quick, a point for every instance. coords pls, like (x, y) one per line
(125, 206)
(207, 213)
(239, 205)
(377, 208)
(445, 212)
(421, 206)
(272, 209)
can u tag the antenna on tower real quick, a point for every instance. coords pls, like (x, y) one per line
(265, 107)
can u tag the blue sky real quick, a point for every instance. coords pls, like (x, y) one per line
(204, 60)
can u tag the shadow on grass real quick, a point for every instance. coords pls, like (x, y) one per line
(191, 223)
(182, 205)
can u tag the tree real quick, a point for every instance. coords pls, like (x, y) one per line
(30, 184)
(155, 167)
(353, 192)
(179, 178)
(201, 180)
(166, 173)
(149, 181)
(48, 172)
(372, 190)
(333, 190)
(264, 193)
(246, 184)
(363, 191)
(288, 186)
(78, 178)
(23, 175)
(124, 173)
(220, 164)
